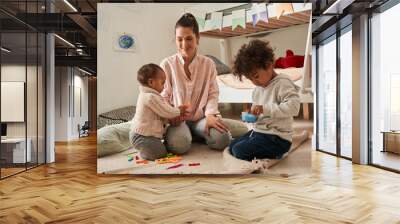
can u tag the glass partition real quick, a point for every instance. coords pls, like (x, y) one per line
(327, 96)
(385, 89)
(346, 93)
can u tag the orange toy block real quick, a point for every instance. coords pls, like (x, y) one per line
(142, 161)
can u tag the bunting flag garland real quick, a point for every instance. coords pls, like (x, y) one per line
(216, 20)
(239, 18)
(283, 8)
(200, 18)
(259, 12)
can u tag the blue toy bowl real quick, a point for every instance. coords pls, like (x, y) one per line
(250, 118)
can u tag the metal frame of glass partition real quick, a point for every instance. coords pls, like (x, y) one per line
(40, 37)
(333, 37)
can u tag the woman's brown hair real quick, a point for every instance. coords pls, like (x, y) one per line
(188, 20)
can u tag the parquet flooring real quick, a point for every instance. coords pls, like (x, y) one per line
(70, 191)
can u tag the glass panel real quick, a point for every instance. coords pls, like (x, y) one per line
(31, 101)
(41, 99)
(13, 85)
(327, 96)
(346, 94)
(385, 86)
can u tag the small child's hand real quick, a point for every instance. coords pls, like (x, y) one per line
(184, 110)
(257, 110)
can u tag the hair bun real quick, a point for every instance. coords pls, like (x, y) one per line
(188, 15)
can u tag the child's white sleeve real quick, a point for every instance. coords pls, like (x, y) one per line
(162, 108)
(167, 91)
(289, 102)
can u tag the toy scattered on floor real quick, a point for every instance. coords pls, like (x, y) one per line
(136, 157)
(175, 166)
(130, 158)
(174, 159)
(170, 155)
(194, 164)
(143, 161)
(247, 117)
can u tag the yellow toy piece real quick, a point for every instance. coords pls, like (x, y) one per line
(174, 159)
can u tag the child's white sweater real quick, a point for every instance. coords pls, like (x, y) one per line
(152, 112)
(281, 102)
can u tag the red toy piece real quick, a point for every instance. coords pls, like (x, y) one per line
(175, 166)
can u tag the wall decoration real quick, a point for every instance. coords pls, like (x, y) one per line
(200, 18)
(239, 18)
(282, 8)
(259, 12)
(125, 42)
(216, 20)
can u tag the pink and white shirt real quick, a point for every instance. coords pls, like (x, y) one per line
(200, 91)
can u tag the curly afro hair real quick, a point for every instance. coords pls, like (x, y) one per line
(254, 55)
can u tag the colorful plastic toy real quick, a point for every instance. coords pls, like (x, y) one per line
(175, 166)
(247, 117)
(142, 161)
(174, 159)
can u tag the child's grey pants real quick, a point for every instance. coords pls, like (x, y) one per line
(179, 138)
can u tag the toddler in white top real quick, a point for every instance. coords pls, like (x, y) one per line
(152, 113)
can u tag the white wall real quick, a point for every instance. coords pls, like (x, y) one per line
(61, 103)
(116, 77)
(66, 119)
(210, 46)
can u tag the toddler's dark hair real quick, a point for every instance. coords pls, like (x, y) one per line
(188, 20)
(147, 72)
(257, 54)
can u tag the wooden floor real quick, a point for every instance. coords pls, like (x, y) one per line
(70, 191)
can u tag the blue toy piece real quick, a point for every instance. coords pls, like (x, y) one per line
(247, 117)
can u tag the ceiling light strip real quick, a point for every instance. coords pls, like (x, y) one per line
(64, 40)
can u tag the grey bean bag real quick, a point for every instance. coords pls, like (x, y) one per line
(113, 139)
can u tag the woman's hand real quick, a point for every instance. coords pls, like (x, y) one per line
(213, 121)
(257, 110)
(182, 117)
(184, 110)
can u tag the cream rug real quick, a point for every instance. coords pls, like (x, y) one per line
(211, 162)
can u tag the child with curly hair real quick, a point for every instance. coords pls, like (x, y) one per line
(275, 102)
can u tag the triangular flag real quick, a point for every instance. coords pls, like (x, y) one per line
(200, 18)
(283, 8)
(216, 20)
(263, 12)
(239, 18)
(259, 12)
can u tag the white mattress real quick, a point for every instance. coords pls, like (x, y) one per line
(243, 94)
(229, 94)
